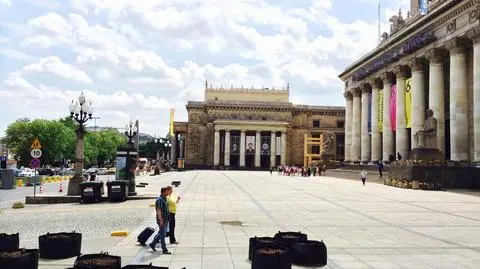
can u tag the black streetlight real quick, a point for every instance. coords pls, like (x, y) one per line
(130, 131)
(81, 112)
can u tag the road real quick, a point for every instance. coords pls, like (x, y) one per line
(7, 197)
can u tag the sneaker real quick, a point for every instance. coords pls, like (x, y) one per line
(152, 246)
(176, 243)
(167, 252)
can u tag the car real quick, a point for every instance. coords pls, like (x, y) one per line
(90, 171)
(28, 173)
(46, 172)
(112, 171)
(102, 171)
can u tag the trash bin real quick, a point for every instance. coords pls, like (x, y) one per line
(7, 177)
(117, 190)
(91, 191)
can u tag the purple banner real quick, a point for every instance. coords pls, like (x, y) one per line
(370, 113)
(393, 108)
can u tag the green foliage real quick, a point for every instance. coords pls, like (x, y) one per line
(17, 205)
(58, 139)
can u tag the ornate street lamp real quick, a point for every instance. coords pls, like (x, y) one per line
(81, 112)
(130, 131)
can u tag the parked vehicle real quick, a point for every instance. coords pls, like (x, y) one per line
(28, 173)
(46, 172)
(102, 171)
(90, 171)
(112, 171)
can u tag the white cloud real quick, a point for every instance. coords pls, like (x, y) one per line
(16, 54)
(6, 2)
(54, 65)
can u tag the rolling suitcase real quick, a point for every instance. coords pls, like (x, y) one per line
(144, 235)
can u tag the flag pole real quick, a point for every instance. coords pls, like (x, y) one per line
(379, 18)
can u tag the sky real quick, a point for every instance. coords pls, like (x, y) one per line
(135, 59)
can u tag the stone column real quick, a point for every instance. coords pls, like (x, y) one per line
(74, 186)
(348, 125)
(365, 137)
(459, 141)
(474, 34)
(181, 149)
(216, 149)
(242, 148)
(387, 135)
(356, 126)
(376, 135)
(272, 150)
(227, 148)
(418, 97)
(173, 150)
(401, 133)
(436, 93)
(257, 149)
(283, 153)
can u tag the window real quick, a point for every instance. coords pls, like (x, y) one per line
(340, 124)
(315, 149)
(315, 135)
(316, 124)
(264, 118)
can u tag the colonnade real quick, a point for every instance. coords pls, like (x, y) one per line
(364, 144)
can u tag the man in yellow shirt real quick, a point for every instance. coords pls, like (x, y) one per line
(172, 201)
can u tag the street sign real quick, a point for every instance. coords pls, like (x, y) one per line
(35, 163)
(36, 153)
(36, 144)
(3, 158)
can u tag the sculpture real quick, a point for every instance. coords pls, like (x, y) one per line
(384, 36)
(328, 145)
(397, 23)
(427, 137)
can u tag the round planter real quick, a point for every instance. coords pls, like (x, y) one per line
(309, 253)
(263, 242)
(20, 258)
(98, 261)
(60, 245)
(9, 242)
(140, 266)
(272, 258)
(290, 237)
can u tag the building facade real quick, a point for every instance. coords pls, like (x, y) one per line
(430, 60)
(241, 128)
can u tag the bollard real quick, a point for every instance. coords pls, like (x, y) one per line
(49, 179)
(19, 182)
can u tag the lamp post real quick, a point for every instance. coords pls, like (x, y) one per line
(130, 154)
(130, 132)
(81, 112)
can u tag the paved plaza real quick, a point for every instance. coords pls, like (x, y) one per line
(363, 227)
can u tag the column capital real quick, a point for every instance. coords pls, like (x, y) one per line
(436, 55)
(243, 131)
(386, 77)
(456, 45)
(258, 131)
(376, 83)
(474, 35)
(356, 92)
(365, 88)
(417, 64)
(401, 71)
(227, 130)
(348, 95)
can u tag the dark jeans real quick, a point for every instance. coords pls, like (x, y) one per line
(160, 237)
(363, 180)
(380, 172)
(171, 226)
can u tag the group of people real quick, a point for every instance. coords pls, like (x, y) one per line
(300, 171)
(166, 208)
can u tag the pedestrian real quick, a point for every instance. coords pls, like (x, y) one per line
(363, 176)
(324, 170)
(172, 201)
(271, 170)
(399, 157)
(380, 168)
(161, 208)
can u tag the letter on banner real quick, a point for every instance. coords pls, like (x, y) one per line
(370, 113)
(393, 108)
(408, 103)
(380, 111)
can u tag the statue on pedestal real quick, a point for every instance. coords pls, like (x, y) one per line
(427, 137)
(328, 146)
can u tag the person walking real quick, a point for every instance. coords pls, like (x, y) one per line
(363, 176)
(380, 168)
(172, 201)
(162, 220)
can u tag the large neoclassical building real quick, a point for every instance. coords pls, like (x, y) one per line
(430, 60)
(247, 128)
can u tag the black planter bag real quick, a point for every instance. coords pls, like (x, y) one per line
(263, 242)
(98, 261)
(20, 258)
(142, 266)
(60, 245)
(280, 260)
(9, 242)
(309, 253)
(291, 237)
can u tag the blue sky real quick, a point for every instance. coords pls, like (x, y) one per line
(136, 59)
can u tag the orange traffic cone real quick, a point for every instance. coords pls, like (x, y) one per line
(61, 188)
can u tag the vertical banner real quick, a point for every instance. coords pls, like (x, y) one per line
(408, 103)
(423, 7)
(265, 150)
(370, 113)
(235, 144)
(393, 108)
(380, 111)
(278, 146)
(250, 145)
(172, 113)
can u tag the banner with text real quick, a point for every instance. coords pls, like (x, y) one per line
(380, 111)
(172, 113)
(393, 108)
(408, 103)
(370, 113)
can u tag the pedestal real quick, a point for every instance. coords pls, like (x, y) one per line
(426, 154)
